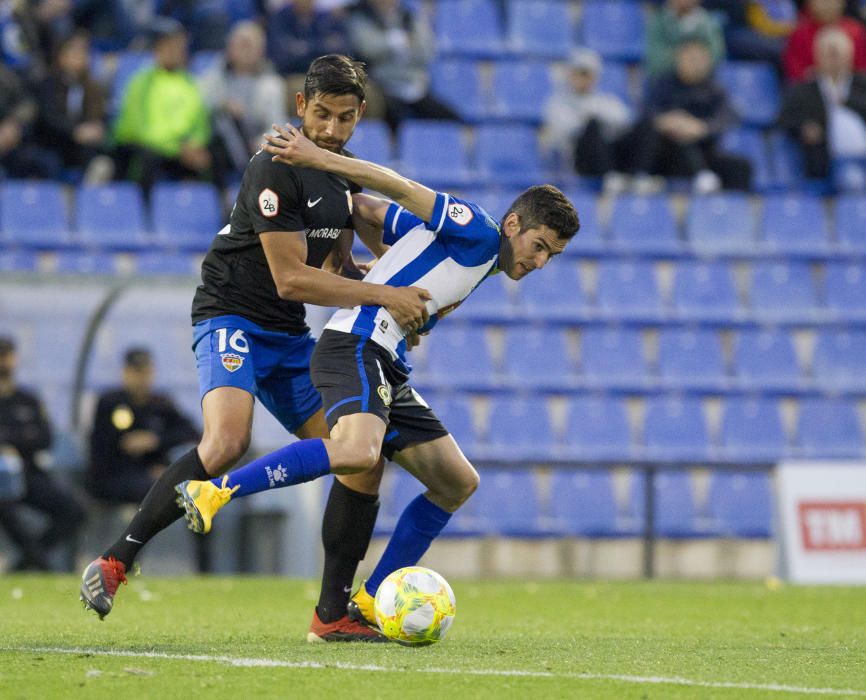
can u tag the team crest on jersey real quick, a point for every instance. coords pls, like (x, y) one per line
(384, 392)
(231, 361)
(269, 203)
(460, 213)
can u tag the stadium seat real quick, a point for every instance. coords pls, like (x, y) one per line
(166, 263)
(614, 28)
(795, 224)
(34, 214)
(86, 263)
(614, 79)
(721, 223)
(781, 291)
(590, 237)
(520, 89)
(202, 61)
(495, 201)
(691, 359)
(469, 28)
(555, 294)
(111, 217)
(850, 215)
(676, 515)
(519, 430)
(518, 165)
(459, 83)
(840, 360)
(186, 215)
(787, 167)
(509, 504)
(753, 89)
(537, 359)
(628, 290)
(540, 28)
(644, 225)
(399, 488)
(764, 359)
(613, 358)
(751, 430)
(675, 429)
(18, 261)
(490, 301)
(372, 141)
(597, 428)
(458, 356)
(741, 504)
(455, 413)
(829, 428)
(434, 152)
(845, 286)
(749, 143)
(582, 503)
(705, 291)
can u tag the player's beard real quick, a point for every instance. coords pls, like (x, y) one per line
(327, 146)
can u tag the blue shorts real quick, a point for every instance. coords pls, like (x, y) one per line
(272, 366)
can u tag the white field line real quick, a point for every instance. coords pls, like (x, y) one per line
(338, 665)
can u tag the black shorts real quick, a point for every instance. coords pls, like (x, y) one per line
(355, 375)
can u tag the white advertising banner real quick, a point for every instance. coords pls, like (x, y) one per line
(822, 518)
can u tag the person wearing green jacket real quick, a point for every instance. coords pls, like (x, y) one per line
(678, 22)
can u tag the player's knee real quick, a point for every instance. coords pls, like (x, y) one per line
(221, 452)
(460, 489)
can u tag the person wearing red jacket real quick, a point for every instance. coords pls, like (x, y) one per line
(798, 58)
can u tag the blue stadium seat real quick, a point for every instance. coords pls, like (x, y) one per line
(613, 358)
(614, 79)
(372, 141)
(18, 261)
(494, 201)
(850, 215)
(540, 28)
(786, 162)
(829, 428)
(509, 503)
(490, 301)
(537, 358)
(644, 224)
(795, 223)
(741, 503)
(782, 291)
(675, 429)
(591, 236)
(555, 294)
(128, 64)
(628, 289)
(753, 89)
(167, 263)
(399, 488)
(676, 514)
(597, 428)
(111, 217)
(519, 429)
(520, 89)
(202, 61)
(721, 223)
(845, 286)
(459, 84)
(518, 165)
(459, 356)
(839, 360)
(582, 503)
(434, 153)
(469, 28)
(614, 28)
(751, 430)
(455, 412)
(186, 215)
(34, 215)
(750, 143)
(691, 359)
(765, 360)
(86, 263)
(705, 290)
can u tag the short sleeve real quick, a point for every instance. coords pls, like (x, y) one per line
(273, 197)
(471, 234)
(398, 222)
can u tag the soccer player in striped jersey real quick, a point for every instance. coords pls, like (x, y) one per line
(447, 246)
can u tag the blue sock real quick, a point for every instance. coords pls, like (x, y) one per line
(419, 524)
(293, 464)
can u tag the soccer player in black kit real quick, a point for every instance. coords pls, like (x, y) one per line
(289, 233)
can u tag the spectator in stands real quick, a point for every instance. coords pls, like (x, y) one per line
(827, 114)
(583, 126)
(134, 429)
(300, 32)
(755, 30)
(799, 56)
(163, 129)
(685, 113)
(29, 30)
(679, 21)
(72, 118)
(26, 435)
(20, 157)
(399, 47)
(112, 24)
(207, 21)
(244, 94)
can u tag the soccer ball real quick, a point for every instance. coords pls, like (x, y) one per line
(415, 606)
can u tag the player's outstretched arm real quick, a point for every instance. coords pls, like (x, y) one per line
(288, 145)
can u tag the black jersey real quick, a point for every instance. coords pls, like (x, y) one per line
(273, 196)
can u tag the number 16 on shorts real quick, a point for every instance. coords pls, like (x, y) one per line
(232, 349)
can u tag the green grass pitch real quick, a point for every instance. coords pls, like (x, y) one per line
(243, 638)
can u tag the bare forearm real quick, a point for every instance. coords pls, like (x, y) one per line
(313, 286)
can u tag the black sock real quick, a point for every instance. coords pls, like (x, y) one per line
(158, 510)
(347, 527)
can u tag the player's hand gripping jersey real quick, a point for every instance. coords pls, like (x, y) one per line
(448, 256)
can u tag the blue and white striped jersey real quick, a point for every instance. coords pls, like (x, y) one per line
(449, 257)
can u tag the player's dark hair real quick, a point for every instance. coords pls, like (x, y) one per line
(336, 74)
(545, 205)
